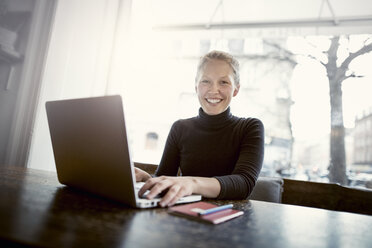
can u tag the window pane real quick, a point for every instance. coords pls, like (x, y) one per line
(285, 82)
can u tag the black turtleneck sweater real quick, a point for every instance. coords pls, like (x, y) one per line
(223, 146)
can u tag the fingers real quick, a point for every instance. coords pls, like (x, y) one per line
(173, 195)
(146, 186)
(158, 188)
(177, 188)
(149, 185)
(180, 188)
(141, 176)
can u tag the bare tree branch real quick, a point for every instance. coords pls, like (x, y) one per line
(312, 45)
(315, 47)
(363, 50)
(287, 55)
(312, 56)
(353, 75)
(366, 41)
(315, 58)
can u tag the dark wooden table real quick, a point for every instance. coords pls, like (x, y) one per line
(36, 210)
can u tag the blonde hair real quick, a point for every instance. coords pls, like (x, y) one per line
(219, 55)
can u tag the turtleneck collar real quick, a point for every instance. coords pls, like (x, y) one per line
(215, 121)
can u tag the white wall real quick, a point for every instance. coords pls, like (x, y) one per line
(78, 63)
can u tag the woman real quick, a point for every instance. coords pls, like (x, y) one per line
(220, 155)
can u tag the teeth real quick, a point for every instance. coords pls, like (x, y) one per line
(214, 100)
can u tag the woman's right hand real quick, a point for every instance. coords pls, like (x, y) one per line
(141, 175)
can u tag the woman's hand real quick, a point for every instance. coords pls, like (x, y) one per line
(141, 175)
(176, 188)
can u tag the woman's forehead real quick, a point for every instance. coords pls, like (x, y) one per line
(213, 66)
(216, 62)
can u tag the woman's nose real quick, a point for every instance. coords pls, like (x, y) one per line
(214, 88)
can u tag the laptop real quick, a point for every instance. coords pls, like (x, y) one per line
(91, 149)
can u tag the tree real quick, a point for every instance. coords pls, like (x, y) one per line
(337, 74)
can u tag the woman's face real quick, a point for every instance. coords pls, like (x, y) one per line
(216, 87)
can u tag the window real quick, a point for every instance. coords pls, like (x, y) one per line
(283, 81)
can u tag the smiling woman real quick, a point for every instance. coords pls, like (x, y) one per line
(217, 82)
(219, 155)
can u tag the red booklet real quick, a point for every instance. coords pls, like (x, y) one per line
(192, 210)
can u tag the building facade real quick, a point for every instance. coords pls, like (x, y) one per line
(363, 141)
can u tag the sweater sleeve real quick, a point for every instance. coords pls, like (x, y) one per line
(170, 160)
(241, 182)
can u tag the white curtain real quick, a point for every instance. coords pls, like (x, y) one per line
(88, 43)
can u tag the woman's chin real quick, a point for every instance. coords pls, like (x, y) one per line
(213, 110)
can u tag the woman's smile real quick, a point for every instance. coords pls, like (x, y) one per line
(213, 100)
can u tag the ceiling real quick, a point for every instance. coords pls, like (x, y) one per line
(262, 17)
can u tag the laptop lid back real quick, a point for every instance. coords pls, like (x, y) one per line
(90, 146)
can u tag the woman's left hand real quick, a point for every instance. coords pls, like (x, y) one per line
(176, 188)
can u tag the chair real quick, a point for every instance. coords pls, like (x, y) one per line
(268, 189)
(327, 196)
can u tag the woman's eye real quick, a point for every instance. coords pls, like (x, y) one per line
(224, 82)
(205, 81)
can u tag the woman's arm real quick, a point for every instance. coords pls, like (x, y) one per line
(242, 180)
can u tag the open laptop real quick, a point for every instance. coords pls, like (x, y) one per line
(91, 149)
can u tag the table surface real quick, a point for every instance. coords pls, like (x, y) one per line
(36, 210)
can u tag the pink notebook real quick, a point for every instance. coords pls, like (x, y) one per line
(191, 210)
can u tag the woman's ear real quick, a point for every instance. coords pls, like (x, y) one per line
(236, 90)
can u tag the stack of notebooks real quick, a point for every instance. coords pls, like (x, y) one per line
(206, 212)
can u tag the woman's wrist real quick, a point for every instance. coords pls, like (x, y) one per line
(206, 186)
